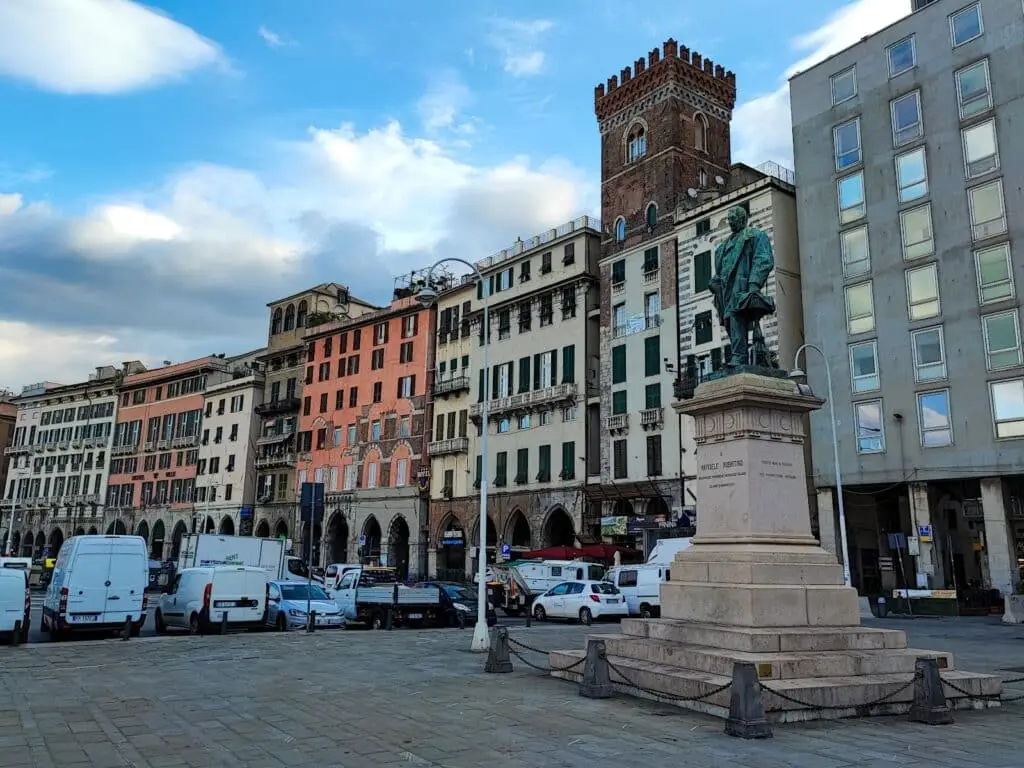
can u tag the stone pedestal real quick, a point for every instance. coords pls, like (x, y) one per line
(756, 587)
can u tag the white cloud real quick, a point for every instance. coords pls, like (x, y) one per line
(272, 38)
(97, 46)
(440, 108)
(186, 269)
(519, 44)
(762, 127)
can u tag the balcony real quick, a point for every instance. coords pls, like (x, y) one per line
(651, 275)
(276, 460)
(445, 447)
(526, 401)
(17, 450)
(619, 288)
(617, 424)
(284, 405)
(187, 441)
(123, 450)
(64, 445)
(652, 321)
(451, 385)
(652, 418)
(620, 330)
(276, 437)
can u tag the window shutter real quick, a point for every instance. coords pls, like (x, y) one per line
(440, 428)
(479, 295)
(554, 366)
(536, 371)
(490, 285)
(652, 355)
(415, 324)
(399, 391)
(511, 276)
(524, 374)
(463, 417)
(569, 364)
(482, 387)
(479, 468)
(494, 385)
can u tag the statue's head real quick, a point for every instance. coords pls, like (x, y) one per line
(737, 218)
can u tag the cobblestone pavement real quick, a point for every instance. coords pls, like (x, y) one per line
(419, 698)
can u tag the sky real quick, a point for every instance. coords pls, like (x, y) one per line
(167, 169)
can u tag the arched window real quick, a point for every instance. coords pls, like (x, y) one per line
(300, 320)
(702, 178)
(636, 145)
(620, 229)
(289, 318)
(275, 323)
(652, 216)
(700, 132)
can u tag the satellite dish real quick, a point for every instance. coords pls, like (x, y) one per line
(691, 192)
(719, 180)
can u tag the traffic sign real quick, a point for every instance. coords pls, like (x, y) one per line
(506, 550)
(362, 541)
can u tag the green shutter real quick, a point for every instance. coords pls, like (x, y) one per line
(652, 396)
(523, 465)
(501, 473)
(569, 364)
(479, 470)
(619, 271)
(483, 386)
(544, 457)
(619, 364)
(524, 374)
(701, 271)
(554, 366)
(536, 371)
(568, 461)
(619, 402)
(652, 356)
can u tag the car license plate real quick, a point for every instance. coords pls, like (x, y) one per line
(84, 619)
(329, 620)
(415, 615)
(611, 599)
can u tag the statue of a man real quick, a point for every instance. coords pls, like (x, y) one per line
(742, 265)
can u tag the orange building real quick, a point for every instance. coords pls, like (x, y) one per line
(151, 486)
(364, 424)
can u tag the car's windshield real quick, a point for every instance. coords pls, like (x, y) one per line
(302, 592)
(603, 588)
(460, 594)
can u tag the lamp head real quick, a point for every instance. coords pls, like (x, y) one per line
(426, 296)
(796, 373)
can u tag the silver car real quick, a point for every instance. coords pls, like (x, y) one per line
(288, 601)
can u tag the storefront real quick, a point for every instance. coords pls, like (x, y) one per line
(642, 532)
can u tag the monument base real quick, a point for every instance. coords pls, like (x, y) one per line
(756, 587)
(833, 672)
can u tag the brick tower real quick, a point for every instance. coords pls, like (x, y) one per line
(664, 129)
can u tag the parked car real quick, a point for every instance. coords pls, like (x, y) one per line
(98, 585)
(581, 600)
(459, 600)
(288, 601)
(641, 586)
(15, 603)
(198, 598)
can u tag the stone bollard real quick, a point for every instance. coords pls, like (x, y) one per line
(747, 718)
(497, 655)
(224, 623)
(127, 627)
(930, 706)
(596, 683)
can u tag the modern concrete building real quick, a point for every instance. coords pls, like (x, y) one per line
(664, 126)
(363, 430)
(155, 452)
(910, 163)
(226, 470)
(60, 457)
(284, 366)
(543, 355)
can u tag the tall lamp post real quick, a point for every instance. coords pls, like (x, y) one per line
(796, 373)
(426, 297)
(321, 421)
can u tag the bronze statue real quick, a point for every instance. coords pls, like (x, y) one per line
(742, 265)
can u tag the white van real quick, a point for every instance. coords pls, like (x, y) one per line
(333, 574)
(641, 586)
(198, 598)
(98, 583)
(15, 603)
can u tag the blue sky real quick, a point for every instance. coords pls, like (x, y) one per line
(170, 168)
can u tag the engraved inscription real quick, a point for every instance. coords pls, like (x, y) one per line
(723, 474)
(778, 470)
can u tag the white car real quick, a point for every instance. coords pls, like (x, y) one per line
(581, 600)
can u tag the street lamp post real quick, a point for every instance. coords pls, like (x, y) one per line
(797, 373)
(321, 421)
(426, 297)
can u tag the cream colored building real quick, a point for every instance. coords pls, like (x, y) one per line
(543, 363)
(226, 470)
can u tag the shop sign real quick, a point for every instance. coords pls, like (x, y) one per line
(613, 526)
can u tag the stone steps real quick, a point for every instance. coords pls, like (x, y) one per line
(771, 666)
(826, 697)
(757, 640)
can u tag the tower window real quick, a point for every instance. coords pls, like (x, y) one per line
(636, 146)
(700, 132)
(620, 229)
(652, 216)
(702, 178)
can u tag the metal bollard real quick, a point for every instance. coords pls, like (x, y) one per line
(930, 706)
(224, 623)
(311, 622)
(461, 619)
(497, 655)
(127, 627)
(529, 617)
(16, 637)
(747, 718)
(389, 619)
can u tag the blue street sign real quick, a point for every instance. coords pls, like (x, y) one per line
(362, 541)
(506, 550)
